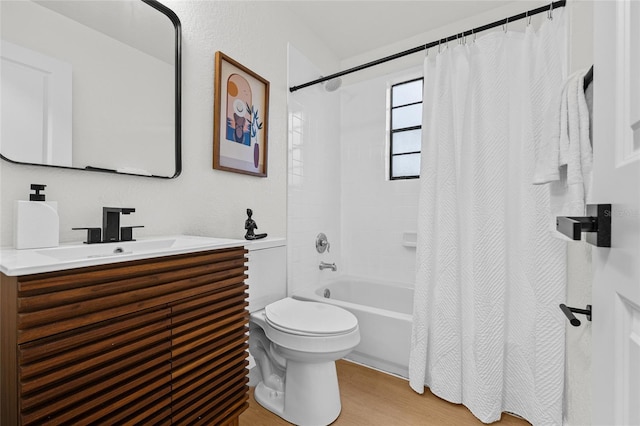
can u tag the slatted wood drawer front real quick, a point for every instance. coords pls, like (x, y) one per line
(209, 354)
(112, 371)
(95, 344)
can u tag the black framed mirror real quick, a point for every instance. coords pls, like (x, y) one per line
(91, 85)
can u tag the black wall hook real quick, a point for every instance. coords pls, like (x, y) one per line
(568, 311)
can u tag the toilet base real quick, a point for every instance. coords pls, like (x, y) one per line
(311, 396)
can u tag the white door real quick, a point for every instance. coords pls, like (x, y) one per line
(616, 180)
(35, 106)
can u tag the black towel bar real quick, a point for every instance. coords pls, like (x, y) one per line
(597, 225)
(568, 311)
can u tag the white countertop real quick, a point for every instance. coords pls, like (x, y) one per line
(264, 243)
(77, 255)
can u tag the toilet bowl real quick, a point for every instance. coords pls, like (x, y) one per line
(295, 344)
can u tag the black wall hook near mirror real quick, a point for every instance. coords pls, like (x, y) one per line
(597, 225)
(569, 311)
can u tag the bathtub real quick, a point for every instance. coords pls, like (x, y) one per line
(384, 317)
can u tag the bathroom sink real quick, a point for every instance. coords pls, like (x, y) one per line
(89, 251)
(22, 262)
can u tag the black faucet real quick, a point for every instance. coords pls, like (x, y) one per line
(111, 223)
(111, 231)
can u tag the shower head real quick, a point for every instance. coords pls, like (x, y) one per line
(333, 84)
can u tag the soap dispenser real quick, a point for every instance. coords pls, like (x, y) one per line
(37, 224)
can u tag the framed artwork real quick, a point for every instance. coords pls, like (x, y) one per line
(240, 118)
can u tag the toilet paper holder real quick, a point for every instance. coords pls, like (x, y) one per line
(569, 311)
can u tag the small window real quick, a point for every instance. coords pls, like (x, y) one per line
(406, 130)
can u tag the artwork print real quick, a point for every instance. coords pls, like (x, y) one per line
(239, 104)
(240, 121)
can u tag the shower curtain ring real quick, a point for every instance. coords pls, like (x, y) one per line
(506, 24)
(439, 46)
(550, 12)
(528, 18)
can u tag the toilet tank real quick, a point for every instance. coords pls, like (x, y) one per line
(267, 262)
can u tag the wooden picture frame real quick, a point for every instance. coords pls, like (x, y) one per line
(240, 118)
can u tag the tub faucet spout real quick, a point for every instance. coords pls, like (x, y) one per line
(325, 265)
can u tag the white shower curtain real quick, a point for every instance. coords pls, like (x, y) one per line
(487, 330)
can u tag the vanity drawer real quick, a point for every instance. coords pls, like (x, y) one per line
(57, 302)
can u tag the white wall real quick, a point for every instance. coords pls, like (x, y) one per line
(201, 201)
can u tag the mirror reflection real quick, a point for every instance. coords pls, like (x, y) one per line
(91, 85)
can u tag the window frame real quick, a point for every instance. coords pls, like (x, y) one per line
(393, 131)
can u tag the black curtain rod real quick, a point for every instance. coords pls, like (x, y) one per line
(523, 15)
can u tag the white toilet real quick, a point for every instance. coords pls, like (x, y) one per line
(295, 343)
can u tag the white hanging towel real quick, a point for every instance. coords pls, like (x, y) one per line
(566, 160)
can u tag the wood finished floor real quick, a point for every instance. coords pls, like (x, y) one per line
(372, 398)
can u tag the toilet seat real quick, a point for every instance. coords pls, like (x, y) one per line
(310, 319)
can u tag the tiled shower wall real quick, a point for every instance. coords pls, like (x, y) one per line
(376, 212)
(313, 176)
(337, 182)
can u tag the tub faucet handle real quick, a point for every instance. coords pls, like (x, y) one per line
(322, 243)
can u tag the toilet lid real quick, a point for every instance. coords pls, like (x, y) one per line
(302, 317)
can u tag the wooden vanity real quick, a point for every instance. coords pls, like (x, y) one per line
(152, 341)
